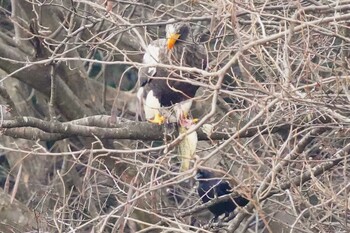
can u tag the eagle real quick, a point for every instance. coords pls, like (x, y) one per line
(163, 89)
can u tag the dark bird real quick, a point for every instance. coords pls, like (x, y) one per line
(161, 88)
(211, 187)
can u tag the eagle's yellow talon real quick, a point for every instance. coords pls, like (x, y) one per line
(158, 119)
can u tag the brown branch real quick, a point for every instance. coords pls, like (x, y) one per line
(208, 204)
(297, 181)
(99, 126)
(53, 91)
(264, 190)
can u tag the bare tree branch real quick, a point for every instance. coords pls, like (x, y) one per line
(99, 126)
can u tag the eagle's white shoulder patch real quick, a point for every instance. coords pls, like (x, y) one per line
(151, 57)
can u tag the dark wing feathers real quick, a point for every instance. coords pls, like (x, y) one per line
(170, 91)
(223, 188)
(210, 188)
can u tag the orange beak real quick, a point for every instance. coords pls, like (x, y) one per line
(172, 40)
